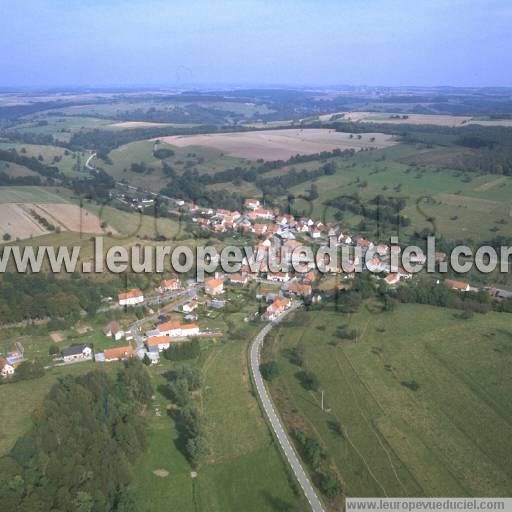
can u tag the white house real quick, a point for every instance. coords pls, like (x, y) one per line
(175, 329)
(131, 297)
(278, 277)
(252, 204)
(80, 352)
(188, 307)
(158, 343)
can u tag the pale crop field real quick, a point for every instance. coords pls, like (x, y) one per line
(281, 144)
(17, 221)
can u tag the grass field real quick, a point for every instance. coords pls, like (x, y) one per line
(64, 160)
(30, 195)
(446, 438)
(203, 159)
(245, 470)
(461, 205)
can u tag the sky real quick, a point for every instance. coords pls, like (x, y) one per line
(174, 43)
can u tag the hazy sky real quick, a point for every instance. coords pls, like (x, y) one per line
(175, 42)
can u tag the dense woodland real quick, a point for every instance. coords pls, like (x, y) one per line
(40, 296)
(79, 455)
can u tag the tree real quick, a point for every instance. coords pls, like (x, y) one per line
(330, 486)
(197, 450)
(6, 237)
(309, 380)
(53, 350)
(83, 502)
(29, 370)
(269, 371)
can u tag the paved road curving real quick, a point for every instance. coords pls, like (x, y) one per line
(275, 422)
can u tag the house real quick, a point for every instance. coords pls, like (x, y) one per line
(304, 290)
(316, 233)
(175, 329)
(278, 277)
(277, 307)
(158, 343)
(171, 328)
(118, 353)
(309, 277)
(364, 245)
(392, 278)
(382, 249)
(460, 286)
(113, 330)
(188, 307)
(131, 297)
(252, 203)
(6, 369)
(344, 239)
(261, 213)
(167, 285)
(238, 279)
(82, 352)
(404, 274)
(189, 329)
(214, 286)
(439, 256)
(260, 229)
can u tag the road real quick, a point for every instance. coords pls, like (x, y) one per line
(88, 163)
(275, 422)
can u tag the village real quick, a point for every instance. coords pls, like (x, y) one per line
(277, 236)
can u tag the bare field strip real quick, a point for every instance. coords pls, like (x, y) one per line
(418, 119)
(281, 144)
(72, 218)
(16, 220)
(135, 124)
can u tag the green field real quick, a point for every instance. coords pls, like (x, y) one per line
(461, 205)
(447, 438)
(201, 158)
(61, 158)
(244, 471)
(30, 195)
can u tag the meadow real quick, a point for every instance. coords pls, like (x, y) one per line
(455, 204)
(244, 470)
(423, 398)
